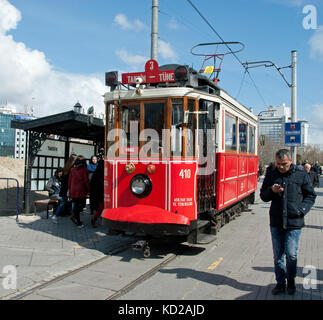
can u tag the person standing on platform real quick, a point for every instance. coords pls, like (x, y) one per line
(97, 189)
(64, 187)
(79, 188)
(312, 175)
(91, 168)
(292, 196)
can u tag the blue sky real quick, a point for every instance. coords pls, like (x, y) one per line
(65, 47)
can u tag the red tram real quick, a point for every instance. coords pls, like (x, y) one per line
(181, 153)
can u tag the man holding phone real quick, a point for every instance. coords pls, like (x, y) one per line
(292, 196)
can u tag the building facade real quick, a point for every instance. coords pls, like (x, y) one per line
(12, 141)
(272, 125)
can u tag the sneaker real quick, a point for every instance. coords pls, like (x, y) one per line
(54, 219)
(291, 288)
(80, 225)
(280, 288)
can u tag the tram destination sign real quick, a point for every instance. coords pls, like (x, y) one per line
(152, 74)
(293, 134)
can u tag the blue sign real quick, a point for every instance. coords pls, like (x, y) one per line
(293, 134)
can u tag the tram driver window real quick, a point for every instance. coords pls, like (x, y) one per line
(130, 118)
(177, 127)
(230, 133)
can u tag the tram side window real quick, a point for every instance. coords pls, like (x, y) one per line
(177, 127)
(206, 122)
(130, 119)
(251, 140)
(230, 133)
(242, 137)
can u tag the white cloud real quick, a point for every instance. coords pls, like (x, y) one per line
(134, 60)
(173, 25)
(166, 51)
(27, 74)
(123, 21)
(316, 43)
(9, 16)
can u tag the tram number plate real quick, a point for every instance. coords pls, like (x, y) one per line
(185, 174)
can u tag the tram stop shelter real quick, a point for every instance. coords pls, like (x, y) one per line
(50, 141)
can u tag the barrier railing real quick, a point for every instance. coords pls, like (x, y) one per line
(7, 197)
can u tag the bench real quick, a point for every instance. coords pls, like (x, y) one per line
(48, 202)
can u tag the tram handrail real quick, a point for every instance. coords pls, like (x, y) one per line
(7, 197)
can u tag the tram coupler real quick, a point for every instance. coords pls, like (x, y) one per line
(142, 245)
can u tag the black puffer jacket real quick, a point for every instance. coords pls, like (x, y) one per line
(288, 208)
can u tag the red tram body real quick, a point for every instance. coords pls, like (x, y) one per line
(155, 180)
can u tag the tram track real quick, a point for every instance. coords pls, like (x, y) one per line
(46, 283)
(118, 293)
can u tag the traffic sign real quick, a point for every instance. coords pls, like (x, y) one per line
(293, 134)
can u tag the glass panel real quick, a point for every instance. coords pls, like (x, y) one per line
(41, 173)
(55, 163)
(41, 161)
(41, 185)
(34, 173)
(242, 137)
(61, 163)
(130, 121)
(48, 173)
(177, 127)
(251, 139)
(49, 163)
(36, 162)
(154, 119)
(34, 185)
(190, 129)
(230, 133)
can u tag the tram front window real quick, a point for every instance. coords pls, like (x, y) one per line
(130, 119)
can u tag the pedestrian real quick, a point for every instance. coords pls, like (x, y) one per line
(79, 188)
(53, 186)
(312, 175)
(91, 168)
(64, 203)
(317, 168)
(97, 189)
(292, 196)
(299, 165)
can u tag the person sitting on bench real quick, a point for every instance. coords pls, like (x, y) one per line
(53, 186)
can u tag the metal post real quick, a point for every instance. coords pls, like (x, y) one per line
(294, 98)
(154, 30)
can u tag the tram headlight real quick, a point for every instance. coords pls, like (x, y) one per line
(141, 185)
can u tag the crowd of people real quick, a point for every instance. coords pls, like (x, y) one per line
(314, 170)
(73, 184)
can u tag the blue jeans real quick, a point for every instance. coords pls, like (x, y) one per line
(62, 203)
(285, 242)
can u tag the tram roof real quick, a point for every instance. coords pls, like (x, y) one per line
(68, 124)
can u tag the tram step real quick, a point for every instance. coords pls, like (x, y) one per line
(203, 238)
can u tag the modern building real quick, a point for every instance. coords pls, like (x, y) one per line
(12, 141)
(272, 124)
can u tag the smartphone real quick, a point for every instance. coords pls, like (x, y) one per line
(277, 185)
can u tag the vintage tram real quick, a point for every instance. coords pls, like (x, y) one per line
(181, 153)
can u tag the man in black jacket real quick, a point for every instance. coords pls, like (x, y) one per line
(292, 196)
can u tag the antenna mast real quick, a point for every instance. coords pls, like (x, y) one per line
(154, 30)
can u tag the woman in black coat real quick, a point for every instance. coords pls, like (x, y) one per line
(97, 190)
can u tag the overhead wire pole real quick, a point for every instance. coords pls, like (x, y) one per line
(246, 69)
(292, 85)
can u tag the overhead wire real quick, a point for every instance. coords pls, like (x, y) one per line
(246, 68)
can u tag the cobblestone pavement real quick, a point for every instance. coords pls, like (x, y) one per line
(237, 265)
